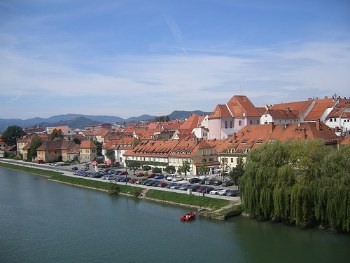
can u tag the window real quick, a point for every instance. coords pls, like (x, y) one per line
(250, 122)
(257, 121)
(231, 124)
(231, 160)
(225, 124)
(240, 123)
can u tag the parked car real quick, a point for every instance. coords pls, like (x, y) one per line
(74, 168)
(184, 187)
(232, 192)
(140, 175)
(194, 187)
(210, 182)
(117, 172)
(177, 178)
(170, 177)
(162, 184)
(194, 180)
(217, 182)
(222, 191)
(227, 183)
(124, 173)
(159, 176)
(151, 176)
(214, 192)
(170, 185)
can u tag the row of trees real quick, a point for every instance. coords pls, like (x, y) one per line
(303, 183)
(135, 165)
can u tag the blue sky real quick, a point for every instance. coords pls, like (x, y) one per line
(130, 57)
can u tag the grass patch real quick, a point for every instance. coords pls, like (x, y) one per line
(200, 201)
(107, 186)
(31, 170)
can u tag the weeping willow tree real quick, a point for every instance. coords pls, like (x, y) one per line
(304, 183)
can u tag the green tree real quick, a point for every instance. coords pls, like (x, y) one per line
(34, 145)
(185, 168)
(237, 172)
(133, 165)
(98, 147)
(170, 169)
(156, 170)
(110, 155)
(203, 169)
(12, 134)
(56, 134)
(146, 168)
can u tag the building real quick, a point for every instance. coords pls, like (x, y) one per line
(88, 151)
(231, 117)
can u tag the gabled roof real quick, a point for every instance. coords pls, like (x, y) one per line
(87, 145)
(241, 106)
(319, 108)
(220, 111)
(191, 123)
(253, 136)
(55, 145)
(300, 106)
(284, 114)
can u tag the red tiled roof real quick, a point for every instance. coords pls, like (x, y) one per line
(241, 106)
(319, 108)
(87, 145)
(220, 111)
(284, 114)
(190, 123)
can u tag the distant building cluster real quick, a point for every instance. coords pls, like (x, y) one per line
(216, 140)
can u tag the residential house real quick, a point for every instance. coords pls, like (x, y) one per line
(52, 151)
(119, 146)
(68, 133)
(228, 118)
(251, 137)
(88, 151)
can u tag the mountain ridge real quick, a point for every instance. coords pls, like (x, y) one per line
(83, 120)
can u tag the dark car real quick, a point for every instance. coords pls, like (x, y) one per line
(162, 184)
(210, 182)
(74, 168)
(232, 193)
(117, 172)
(194, 180)
(217, 182)
(151, 176)
(194, 187)
(202, 181)
(124, 173)
(159, 176)
(140, 175)
(227, 183)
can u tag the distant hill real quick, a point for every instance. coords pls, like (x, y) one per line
(185, 114)
(81, 120)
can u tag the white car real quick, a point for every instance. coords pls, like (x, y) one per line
(214, 192)
(222, 191)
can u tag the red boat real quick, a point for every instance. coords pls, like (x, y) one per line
(189, 216)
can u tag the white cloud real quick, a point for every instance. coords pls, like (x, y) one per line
(188, 82)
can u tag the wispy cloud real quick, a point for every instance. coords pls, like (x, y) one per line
(176, 32)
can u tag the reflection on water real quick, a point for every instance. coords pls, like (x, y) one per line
(43, 221)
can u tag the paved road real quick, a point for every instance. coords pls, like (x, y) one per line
(67, 170)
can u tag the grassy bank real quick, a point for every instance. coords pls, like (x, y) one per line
(57, 176)
(199, 201)
(46, 173)
(210, 204)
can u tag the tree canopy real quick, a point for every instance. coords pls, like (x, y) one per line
(304, 183)
(12, 134)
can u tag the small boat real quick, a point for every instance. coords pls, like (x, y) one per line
(189, 216)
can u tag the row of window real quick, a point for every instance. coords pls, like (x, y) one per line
(240, 123)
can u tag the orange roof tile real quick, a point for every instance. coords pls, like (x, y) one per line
(241, 106)
(319, 108)
(87, 145)
(220, 111)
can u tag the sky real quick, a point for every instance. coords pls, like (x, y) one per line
(131, 57)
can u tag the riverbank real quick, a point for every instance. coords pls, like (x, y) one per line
(210, 207)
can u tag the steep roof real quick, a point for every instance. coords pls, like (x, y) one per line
(87, 145)
(241, 106)
(220, 111)
(191, 123)
(319, 108)
(284, 114)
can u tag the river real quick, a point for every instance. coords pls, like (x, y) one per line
(44, 221)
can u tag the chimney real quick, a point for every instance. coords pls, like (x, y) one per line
(271, 127)
(318, 123)
(234, 136)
